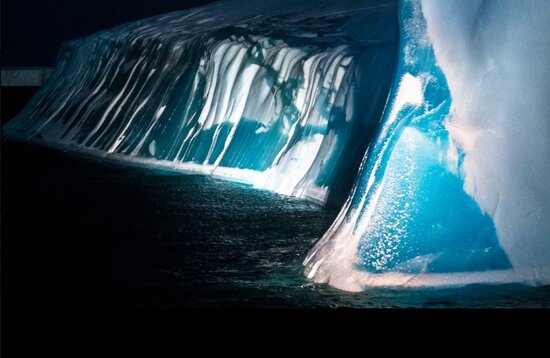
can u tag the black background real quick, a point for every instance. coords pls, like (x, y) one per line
(33, 30)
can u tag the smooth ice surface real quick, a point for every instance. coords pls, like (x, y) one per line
(496, 57)
(454, 189)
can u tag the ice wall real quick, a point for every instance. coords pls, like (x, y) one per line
(453, 190)
(496, 57)
(283, 96)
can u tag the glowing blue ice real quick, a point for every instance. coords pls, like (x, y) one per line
(271, 95)
(412, 219)
(444, 134)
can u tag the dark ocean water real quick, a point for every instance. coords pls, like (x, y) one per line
(77, 232)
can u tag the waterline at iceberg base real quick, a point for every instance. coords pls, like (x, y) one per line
(425, 121)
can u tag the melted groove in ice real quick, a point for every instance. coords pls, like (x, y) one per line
(246, 92)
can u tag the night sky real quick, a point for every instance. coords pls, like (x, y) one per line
(33, 30)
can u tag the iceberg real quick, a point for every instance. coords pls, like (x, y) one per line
(453, 190)
(271, 95)
(426, 121)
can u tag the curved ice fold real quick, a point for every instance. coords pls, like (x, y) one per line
(496, 58)
(453, 190)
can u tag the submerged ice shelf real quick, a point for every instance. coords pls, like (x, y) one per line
(409, 110)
